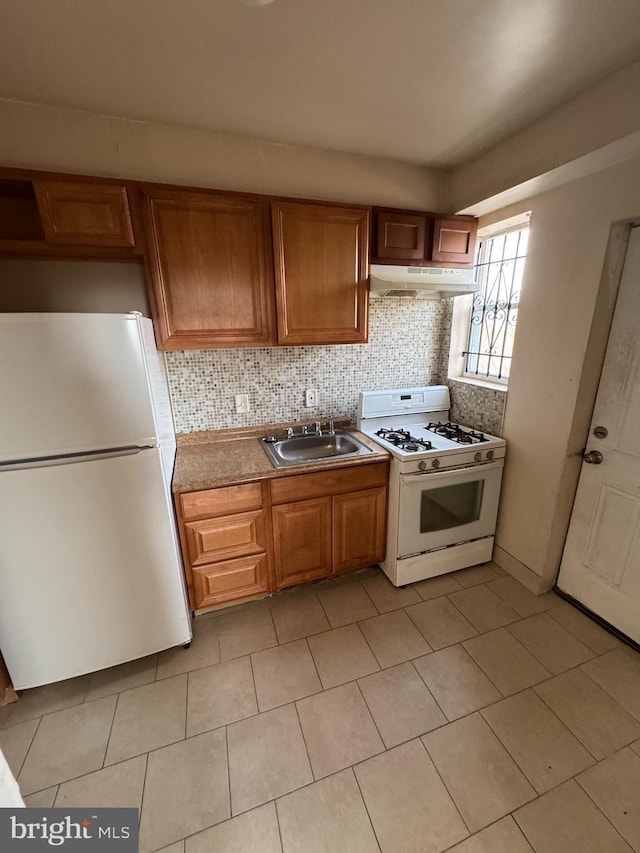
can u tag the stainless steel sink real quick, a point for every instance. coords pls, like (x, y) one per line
(301, 449)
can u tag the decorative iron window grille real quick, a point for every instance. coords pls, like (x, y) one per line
(499, 268)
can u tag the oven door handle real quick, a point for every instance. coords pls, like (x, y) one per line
(431, 476)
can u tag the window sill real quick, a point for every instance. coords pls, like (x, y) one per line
(480, 383)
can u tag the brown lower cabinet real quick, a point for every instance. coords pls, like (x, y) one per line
(245, 540)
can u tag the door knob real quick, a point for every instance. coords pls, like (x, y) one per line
(594, 457)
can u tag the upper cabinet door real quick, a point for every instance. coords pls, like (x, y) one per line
(321, 272)
(211, 270)
(400, 236)
(84, 214)
(454, 240)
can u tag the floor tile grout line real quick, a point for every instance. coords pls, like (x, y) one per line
(275, 808)
(553, 674)
(28, 750)
(444, 784)
(576, 736)
(373, 719)
(604, 815)
(113, 719)
(364, 803)
(506, 604)
(142, 793)
(426, 686)
(512, 756)
(604, 689)
(226, 743)
(573, 633)
(304, 740)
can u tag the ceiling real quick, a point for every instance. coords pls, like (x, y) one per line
(434, 82)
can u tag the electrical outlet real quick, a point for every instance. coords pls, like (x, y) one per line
(310, 398)
(242, 404)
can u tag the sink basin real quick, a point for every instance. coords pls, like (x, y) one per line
(301, 449)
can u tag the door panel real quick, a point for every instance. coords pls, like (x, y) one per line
(601, 560)
(210, 266)
(359, 529)
(321, 272)
(302, 541)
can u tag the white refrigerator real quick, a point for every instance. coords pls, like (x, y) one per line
(90, 569)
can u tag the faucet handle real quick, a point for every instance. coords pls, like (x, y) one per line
(289, 432)
(305, 430)
(331, 427)
(318, 428)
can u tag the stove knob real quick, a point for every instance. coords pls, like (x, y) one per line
(489, 454)
(477, 457)
(435, 463)
(422, 465)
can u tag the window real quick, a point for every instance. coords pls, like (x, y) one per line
(499, 268)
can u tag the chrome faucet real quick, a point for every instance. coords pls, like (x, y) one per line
(318, 428)
(331, 428)
(289, 432)
(305, 430)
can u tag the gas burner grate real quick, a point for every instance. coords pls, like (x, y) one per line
(403, 440)
(454, 432)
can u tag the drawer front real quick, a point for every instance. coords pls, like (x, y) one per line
(223, 501)
(229, 536)
(324, 483)
(230, 579)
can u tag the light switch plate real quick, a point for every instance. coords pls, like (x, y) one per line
(242, 404)
(310, 398)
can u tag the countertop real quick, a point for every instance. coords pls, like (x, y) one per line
(215, 458)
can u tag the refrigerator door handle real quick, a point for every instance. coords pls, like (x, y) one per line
(70, 458)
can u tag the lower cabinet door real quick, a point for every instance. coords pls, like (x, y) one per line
(229, 579)
(302, 541)
(359, 529)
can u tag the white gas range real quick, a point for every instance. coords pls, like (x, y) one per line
(444, 484)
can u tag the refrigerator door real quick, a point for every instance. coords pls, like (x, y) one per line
(70, 383)
(90, 570)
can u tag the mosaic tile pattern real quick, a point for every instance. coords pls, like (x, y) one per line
(405, 342)
(482, 408)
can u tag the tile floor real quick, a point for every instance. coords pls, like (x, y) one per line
(462, 714)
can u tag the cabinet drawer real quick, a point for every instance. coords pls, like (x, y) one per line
(228, 536)
(334, 482)
(223, 501)
(230, 579)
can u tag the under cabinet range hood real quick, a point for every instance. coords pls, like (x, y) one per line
(421, 282)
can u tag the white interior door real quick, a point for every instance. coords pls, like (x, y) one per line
(601, 561)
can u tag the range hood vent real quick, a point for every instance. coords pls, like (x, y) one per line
(421, 282)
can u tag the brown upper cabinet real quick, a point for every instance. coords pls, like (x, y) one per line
(210, 268)
(454, 240)
(321, 271)
(414, 238)
(80, 214)
(400, 236)
(62, 217)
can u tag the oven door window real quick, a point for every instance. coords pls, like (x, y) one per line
(450, 506)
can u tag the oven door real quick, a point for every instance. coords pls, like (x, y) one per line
(441, 509)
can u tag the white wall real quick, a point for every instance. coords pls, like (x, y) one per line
(552, 387)
(40, 137)
(603, 115)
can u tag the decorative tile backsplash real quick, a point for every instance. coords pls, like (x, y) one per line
(405, 342)
(476, 406)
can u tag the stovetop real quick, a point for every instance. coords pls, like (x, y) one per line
(428, 438)
(420, 429)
